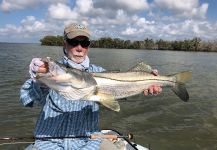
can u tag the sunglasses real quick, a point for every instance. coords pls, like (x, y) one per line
(74, 42)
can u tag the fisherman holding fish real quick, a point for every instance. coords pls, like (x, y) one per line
(61, 117)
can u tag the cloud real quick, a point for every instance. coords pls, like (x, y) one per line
(183, 8)
(62, 12)
(132, 6)
(31, 25)
(190, 29)
(184, 29)
(128, 6)
(30, 28)
(10, 29)
(130, 31)
(84, 6)
(134, 20)
(27, 26)
(10, 5)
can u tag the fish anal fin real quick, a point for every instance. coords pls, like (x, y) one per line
(109, 101)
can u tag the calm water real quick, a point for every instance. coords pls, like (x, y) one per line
(163, 121)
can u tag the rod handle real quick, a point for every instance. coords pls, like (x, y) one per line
(104, 136)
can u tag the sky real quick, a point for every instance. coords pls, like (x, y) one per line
(28, 21)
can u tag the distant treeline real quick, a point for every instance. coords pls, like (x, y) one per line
(195, 44)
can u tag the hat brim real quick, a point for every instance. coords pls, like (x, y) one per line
(74, 34)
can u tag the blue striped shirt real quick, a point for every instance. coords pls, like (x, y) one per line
(61, 118)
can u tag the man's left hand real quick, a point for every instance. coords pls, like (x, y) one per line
(153, 89)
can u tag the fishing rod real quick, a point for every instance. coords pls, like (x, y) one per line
(92, 136)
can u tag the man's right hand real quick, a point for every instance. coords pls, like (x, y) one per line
(37, 66)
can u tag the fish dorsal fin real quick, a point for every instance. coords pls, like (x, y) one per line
(141, 67)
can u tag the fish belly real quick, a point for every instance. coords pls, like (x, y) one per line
(71, 93)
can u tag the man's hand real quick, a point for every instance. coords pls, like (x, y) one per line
(153, 89)
(37, 66)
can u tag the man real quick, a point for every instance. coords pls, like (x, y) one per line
(60, 117)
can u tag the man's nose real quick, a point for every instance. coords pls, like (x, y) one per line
(79, 48)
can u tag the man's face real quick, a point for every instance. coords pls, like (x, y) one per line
(76, 52)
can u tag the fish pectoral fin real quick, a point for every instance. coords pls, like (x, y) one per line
(109, 101)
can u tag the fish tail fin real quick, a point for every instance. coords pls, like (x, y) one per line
(109, 101)
(179, 89)
(183, 77)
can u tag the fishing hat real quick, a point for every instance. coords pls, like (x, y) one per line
(73, 30)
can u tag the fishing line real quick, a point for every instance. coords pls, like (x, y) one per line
(150, 96)
(123, 101)
(2, 144)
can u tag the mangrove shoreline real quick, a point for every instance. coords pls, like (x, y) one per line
(195, 44)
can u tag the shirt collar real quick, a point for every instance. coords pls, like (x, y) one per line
(82, 66)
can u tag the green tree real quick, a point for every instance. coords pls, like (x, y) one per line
(164, 45)
(52, 40)
(149, 43)
(195, 44)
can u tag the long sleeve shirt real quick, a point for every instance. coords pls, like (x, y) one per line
(61, 118)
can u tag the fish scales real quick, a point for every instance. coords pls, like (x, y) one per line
(125, 89)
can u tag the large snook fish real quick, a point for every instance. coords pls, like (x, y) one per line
(107, 87)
